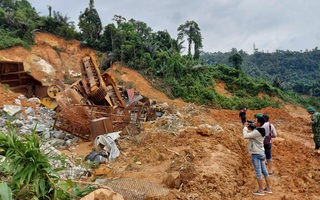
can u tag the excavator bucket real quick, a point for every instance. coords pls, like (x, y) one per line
(49, 102)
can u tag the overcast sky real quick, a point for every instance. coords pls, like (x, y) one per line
(225, 24)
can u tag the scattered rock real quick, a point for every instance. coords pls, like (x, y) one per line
(208, 130)
(103, 194)
(173, 180)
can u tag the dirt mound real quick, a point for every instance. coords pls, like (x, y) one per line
(204, 146)
(136, 80)
(50, 58)
(220, 88)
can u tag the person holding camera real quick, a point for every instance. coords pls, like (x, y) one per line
(270, 133)
(256, 149)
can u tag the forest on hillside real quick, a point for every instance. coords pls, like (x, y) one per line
(288, 70)
(189, 75)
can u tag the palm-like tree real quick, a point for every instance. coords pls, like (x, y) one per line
(191, 30)
(177, 45)
(62, 19)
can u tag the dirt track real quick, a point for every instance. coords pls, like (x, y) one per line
(216, 166)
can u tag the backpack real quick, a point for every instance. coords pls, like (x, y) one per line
(267, 139)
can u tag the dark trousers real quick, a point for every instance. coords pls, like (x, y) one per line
(243, 120)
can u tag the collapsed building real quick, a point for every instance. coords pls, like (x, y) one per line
(91, 106)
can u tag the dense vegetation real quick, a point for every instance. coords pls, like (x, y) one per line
(159, 57)
(26, 172)
(291, 71)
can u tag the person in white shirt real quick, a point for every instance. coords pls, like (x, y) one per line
(270, 133)
(256, 149)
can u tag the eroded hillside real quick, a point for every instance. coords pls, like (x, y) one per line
(50, 58)
(203, 147)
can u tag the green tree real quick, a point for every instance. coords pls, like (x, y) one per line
(50, 10)
(18, 18)
(119, 19)
(177, 45)
(151, 47)
(58, 24)
(277, 82)
(2, 16)
(191, 30)
(128, 43)
(236, 59)
(7, 4)
(62, 19)
(90, 24)
(163, 39)
(108, 38)
(141, 28)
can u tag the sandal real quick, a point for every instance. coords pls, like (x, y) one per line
(270, 173)
(258, 193)
(265, 190)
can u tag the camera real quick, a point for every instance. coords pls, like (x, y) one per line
(251, 124)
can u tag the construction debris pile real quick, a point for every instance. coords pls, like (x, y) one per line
(94, 105)
(91, 106)
(40, 120)
(92, 109)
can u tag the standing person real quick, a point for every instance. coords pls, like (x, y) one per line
(256, 149)
(315, 120)
(270, 133)
(243, 115)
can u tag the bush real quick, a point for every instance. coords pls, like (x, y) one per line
(9, 39)
(28, 171)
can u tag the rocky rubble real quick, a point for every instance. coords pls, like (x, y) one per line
(39, 119)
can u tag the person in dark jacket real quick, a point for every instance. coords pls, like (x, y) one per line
(242, 115)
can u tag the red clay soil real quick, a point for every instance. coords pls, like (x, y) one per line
(214, 165)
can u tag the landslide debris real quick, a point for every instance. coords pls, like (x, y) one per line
(199, 153)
